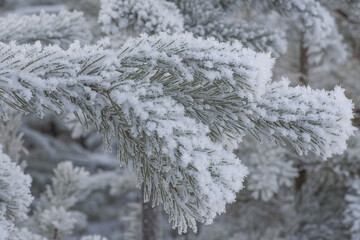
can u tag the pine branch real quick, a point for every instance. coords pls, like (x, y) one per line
(146, 16)
(208, 19)
(54, 217)
(321, 37)
(177, 106)
(269, 168)
(252, 36)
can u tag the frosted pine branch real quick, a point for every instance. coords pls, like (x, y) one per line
(256, 105)
(251, 35)
(208, 19)
(316, 120)
(177, 105)
(70, 185)
(322, 39)
(199, 12)
(269, 169)
(59, 222)
(146, 16)
(61, 29)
